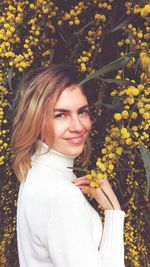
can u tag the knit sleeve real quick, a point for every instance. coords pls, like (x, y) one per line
(70, 234)
(112, 243)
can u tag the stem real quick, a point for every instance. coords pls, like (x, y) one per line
(107, 198)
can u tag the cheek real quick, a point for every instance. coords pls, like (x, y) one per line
(88, 124)
(59, 128)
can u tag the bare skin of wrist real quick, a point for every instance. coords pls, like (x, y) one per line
(98, 194)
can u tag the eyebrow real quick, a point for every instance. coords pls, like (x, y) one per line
(66, 110)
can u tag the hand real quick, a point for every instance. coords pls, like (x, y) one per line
(98, 194)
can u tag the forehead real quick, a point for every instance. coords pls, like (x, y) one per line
(71, 97)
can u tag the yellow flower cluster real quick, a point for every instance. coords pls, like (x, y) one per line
(111, 152)
(145, 60)
(133, 241)
(93, 35)
(145, 11)
(138, 41)
(138, 98)
(129, 7)
(72, 17)
(105, 5)
(83, 60)
(139, 8)
(9, 38)
(92, 39)
(100, 17)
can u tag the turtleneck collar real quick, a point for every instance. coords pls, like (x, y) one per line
(53, 158)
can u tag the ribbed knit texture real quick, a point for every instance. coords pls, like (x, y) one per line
(114, 223)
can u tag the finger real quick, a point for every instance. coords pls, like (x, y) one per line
(85, 189)
(81, 182)
(84, 178)
(80, 178)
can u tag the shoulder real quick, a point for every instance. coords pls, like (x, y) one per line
(44, 184)
(69, 200)
(69, 191)
(42, 178)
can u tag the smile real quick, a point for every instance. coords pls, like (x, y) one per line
(76, 140)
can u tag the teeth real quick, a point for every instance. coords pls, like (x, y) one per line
(76, 140)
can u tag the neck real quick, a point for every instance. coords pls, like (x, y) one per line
(53, 158)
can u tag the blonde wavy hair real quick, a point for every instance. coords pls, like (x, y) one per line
(36, 97)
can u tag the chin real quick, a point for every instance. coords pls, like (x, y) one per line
(74, 152)
(69, 150)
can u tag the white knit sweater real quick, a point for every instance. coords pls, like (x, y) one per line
(57, 226)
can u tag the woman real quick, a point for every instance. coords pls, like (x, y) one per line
(56, 225)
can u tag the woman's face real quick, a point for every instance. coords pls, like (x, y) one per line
(71, 121)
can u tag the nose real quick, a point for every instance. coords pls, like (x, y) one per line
(76, 125)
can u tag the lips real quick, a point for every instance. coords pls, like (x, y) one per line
(76, 139)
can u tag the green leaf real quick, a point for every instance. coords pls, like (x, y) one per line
(147, 217)
(116, 64)
(10, 75)
(123, 24)
(145, 153)
(130, 37)
(79, 169)
(136, 65)
(147, 19)
(51, 55)
(122, 169)
(116, 101)
(83, 28)
(115, 81)
(100, 97)
(111, 106)
(63, 37)
(116, 104)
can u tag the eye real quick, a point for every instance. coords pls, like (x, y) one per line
(60, 115)
(84, 112)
